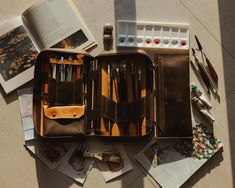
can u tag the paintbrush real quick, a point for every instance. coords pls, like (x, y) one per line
(196, 71)
(206, 77)
(104, 156)
(210, 67)
(202, 72)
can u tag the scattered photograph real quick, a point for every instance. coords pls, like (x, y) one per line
(111, 170)
(155, 154)
(51, 154)
(174, 156)
(17, 53)
(53, 151)
(73, 41)
(74, 165)
(77, 160)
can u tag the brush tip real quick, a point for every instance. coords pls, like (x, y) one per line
(198, 43)
(193, 51)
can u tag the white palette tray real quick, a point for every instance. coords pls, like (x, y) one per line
(152, 35)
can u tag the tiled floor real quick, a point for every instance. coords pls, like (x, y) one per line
(212, 21)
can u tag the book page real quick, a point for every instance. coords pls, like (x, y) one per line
(56, 23)
(17, 55)
(167, 161)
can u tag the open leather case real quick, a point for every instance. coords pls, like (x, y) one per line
(116, 94)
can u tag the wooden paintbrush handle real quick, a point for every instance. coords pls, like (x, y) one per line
(212, 70)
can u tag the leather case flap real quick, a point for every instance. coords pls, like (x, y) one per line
(64, 112)
(174, 112)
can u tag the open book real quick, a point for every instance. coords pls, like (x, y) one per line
(52, 23)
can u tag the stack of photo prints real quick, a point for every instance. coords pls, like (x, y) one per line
(161, 158)
(69, 158)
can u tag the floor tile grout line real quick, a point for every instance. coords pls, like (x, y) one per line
(231, 93)
(3, 12)
(233, 57)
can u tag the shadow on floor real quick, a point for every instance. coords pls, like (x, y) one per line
(227, 29)
(205, 169)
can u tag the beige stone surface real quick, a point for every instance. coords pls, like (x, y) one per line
(212, 21)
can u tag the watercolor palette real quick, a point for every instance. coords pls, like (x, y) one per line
(152, 35)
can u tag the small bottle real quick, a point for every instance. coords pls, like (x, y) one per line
(200, 106)
(108, 37)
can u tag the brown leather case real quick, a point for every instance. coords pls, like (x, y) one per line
(116, 94)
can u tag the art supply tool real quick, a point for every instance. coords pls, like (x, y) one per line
(202, 72)
(104, 156)
(117, 82)
(110, 123)
(139, 83)
(109, 81)
(133, 126)
(94, 65)
(152, 35)
(201, 108)
(115, 129)
(54, 70)
(210, 67)
(62, 70)
(108, 36)
(133, 80)
(123, 93)
(142, 93)
(196, 71)
(69, 71)
(139, 95)
(207, 77)
(110, 94)
(200, 96)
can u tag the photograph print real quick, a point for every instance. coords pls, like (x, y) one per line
(17, 53)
